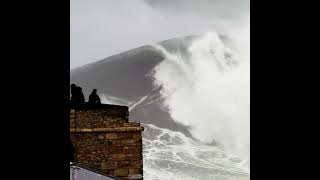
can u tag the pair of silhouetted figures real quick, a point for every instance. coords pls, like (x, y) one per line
(77, 96)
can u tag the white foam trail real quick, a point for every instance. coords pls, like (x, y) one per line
(172, 155)
(131, 107)
(107, 99)
(209, 91)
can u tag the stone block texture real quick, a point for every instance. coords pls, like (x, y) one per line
(104, 140)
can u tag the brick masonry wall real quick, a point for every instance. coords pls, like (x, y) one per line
(98, 117)
(104, 140)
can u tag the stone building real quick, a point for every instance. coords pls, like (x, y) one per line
(103, 139)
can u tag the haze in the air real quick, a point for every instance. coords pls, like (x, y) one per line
(101, 28)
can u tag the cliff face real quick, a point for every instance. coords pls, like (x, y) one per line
(104, 140)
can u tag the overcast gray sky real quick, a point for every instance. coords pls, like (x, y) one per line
(101, 28)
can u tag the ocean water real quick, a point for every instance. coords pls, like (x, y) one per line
(206, 88)
(172, 155)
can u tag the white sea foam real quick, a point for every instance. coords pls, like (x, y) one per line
(209, 90)
(172, 155)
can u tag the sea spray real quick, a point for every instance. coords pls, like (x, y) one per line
(209, 90)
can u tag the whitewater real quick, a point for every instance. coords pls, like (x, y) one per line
(206, 88)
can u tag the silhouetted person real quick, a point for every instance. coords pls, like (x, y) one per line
(94, 97)
(73, 93)
(80, 94)
(77, 96)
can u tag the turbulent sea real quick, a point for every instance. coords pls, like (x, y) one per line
(197, 123)
(207, 89)
(170, 155)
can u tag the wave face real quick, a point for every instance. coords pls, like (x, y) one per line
(208, 89)
(193, 98)
(170, 155)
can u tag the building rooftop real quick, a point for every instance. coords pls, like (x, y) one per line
(97, 106)
(78, 172)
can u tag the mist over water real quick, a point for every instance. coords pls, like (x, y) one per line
(208, 89)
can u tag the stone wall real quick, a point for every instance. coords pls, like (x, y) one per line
(102, 116)
(103, 139)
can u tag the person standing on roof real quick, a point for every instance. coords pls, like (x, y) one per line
(94, 97)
